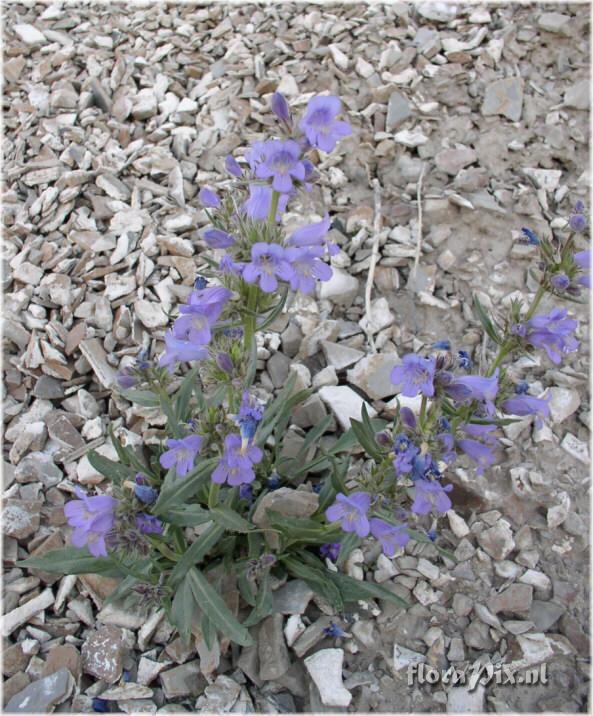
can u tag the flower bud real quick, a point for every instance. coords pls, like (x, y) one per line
(280, 108)
(232, 167)
(209, 198)
(225, 363)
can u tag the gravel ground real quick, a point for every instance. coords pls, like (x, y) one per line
(115, 116)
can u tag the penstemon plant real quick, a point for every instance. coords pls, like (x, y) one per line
(213, 510)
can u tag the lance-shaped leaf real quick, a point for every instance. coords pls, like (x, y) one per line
(317, 579)
(352, 590)
(115, 471)
(196, 553)
(146, 398)
(229, 519)
(177, 490)
(184, 394)
(70, 560)
(186, 516)
(212, 604)
(184, 610)
(486, 321)
(263, 602)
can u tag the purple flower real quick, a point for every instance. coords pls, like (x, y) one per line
(148, 524)
(390, 536)
(331, 550)
(320, 125)
(145, 493)
(225, 363)
(480, 452)
(464, 361)
(92, 518)
(578, 220)
(407, 417)
(268, 263)
(232, 167)
(209, 198)
(405, 453)
(203, 309)
(560, 281)
(431, 494)
(245, 493)
(351, 511)
(552, 332)
(218, 239)
(333, 631)
(227, 265)
(415, 374)
(257, 207)
(182, 453)
(314, 235)
(464, 389)
(280, 108)
(280, 161)
(180, 351)
(583, 261)
(126, 377)
(528, 405)
(250, 414)
(200, 282)
(307, 268)
(531, 237)
(236, 464)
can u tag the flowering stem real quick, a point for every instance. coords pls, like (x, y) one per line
(536, 301)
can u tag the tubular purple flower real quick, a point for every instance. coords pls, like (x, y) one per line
(528, 405)
(228, 266)
(209, 198)
(282, 163)
(92, 518)
(225, 363)
(314, 235)
(181, 454)
(464, 389)
(126, 377)
(478, 452)
(390, 536)
(250, 414)
(307, 268)
(320, 125)
(257, 207)
(431, 494)
(149, 524)
(233, 167)
(180, 351)
(407, 417)
(351, 511)
(280, 108)
(560, 281)
(552, 332)
(236, 464)
(203, 309)
(218, 239)
(268, 263)
(415, 374)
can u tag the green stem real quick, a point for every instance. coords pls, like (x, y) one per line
(423, 410)
(541, 292)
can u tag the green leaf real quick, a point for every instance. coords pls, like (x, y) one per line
(352, 590)
(70, 560)
(303, 530)
(173, 423)
(186, 516)
(146, 398)
(177, 490)
(115, 471)
(184, 395)
(196, 553)
(313, 436)
(366, 440)
(274, 311)
(184, 608)
(349, 541)
(486, 321)
(229, 519)
(421, 537)
(246, 589)
(317, 579)
(208, 632)
(263, 602)
(217, 611)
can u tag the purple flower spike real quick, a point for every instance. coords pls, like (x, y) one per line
(250, 414)
(217, 239)
(351, 511)
(282, 163)
(149, 524)
(203, 309)
(180, 351)
(583, 261)
(280, 108)
(268, 263)
(232, 166)
(209, 198)
(390, 536)
(320, 125)
(182, 454)
(257, 207)
(415, 374)
(528, 405)
(236, 465)
(307, 268)
(431, 494)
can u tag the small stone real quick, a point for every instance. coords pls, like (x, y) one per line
(535, 647)
(372, 375)
(452, 161)
(538, 580)
(563, 403)
(341, 289)
(345, 404)
(545, 614)
(219, 697)
(184, 680)
(498, 540)
(398, 110)
(410, 139)
(504, 97)
(515, 599)
(145, 104)
(364, 68)
(48, 388)
(462, 700)
(340, 59)
(575, 448)
(20, 518)
(102, 654)
(274, 660)
(148, 669)
(458, 524)
(555, 22)
(30, 35)
(437, 11)
(150, 314)
(462, 604)
(327, 376)
(128, 691)
(21, 615)
(325, 668)
(381, 317)
(292, 598)
(43, 695)
(340, 356)
(404, 657)
(578, 96)
(477, 636)
(311, 636)
(456, 650)
(28, 273)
